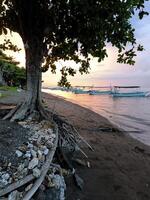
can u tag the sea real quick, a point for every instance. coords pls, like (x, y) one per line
(129, 113)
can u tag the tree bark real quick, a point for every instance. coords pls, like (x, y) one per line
(33, 102)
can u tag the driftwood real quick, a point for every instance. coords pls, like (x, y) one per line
(16, 185)
(78, 180)
(45, 169)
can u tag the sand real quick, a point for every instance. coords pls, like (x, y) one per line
(120, 165)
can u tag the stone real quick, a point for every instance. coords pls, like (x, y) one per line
(30, 146)
(23, 148)
(53, 136)
(3, 182)
(28, 154)
(46, 151)
(33, 153)
(28, 187)
(19, 153)
(21, 167)
(50, 131)
(36, 172)
(33, 163)
(5, 176)
(49, 144)
(14, 195)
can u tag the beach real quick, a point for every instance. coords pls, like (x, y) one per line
(119, 165)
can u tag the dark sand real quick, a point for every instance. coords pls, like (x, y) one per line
(120, 165)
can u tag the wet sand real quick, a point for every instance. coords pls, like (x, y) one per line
(120, 165)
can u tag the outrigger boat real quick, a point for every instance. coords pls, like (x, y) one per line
(99, 92)
(116, 92)
(80, 91)
(102, 91)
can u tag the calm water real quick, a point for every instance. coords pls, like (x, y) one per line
(131, 114)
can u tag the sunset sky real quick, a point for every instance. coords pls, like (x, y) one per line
(109, 71)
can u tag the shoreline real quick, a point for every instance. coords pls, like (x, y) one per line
(119, 166)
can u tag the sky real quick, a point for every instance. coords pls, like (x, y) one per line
(108, 72)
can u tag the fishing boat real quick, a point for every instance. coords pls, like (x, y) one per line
(134, 93)
(80, 91)
(99, 92)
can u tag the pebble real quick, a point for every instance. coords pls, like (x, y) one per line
(28, 154)
(21, 167)
(13, 195)
(33, 153)
(49, 144)
(46, 151)
(30, 146)
(5, 176)
(36, 172)
(19, 153)
(33, 163)
(28, 187)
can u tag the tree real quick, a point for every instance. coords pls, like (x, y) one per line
(70, 30)
(10, 73)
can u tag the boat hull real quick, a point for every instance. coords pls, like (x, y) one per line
(136, 94)
(99, 92)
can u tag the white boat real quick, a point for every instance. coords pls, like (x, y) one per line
(137, 93)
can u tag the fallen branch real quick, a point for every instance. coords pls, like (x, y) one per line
(16, 185)
(45, 169)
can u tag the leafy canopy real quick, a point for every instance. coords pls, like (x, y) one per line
(73, 29)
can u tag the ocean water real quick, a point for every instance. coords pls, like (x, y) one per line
(131, 114)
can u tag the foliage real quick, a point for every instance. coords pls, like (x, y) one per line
(73, 29)
(12, 74)
(8, 88)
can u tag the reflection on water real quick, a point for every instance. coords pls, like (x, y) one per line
(131, 114)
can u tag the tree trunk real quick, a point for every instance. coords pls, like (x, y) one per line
(2, 81)
(32, 106)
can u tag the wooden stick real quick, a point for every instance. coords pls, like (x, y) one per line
(45, 169)
(16, 185)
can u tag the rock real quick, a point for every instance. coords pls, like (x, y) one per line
(28, 154)
(53, 136)
(30, 146)
(36, 172)
(28, 187)
(57, 192)
(3, 182)
(50, 131)
(40, 154)
(33, 163)
(23, 148)
(14, 195)
(9, 164)
(19, 153)
(46, 151)
(33, 153)
(21, 167)
(5, 176)
(49, 144)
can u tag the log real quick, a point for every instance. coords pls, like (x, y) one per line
(16, 185)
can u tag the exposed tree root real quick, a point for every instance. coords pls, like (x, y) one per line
(25, 111)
